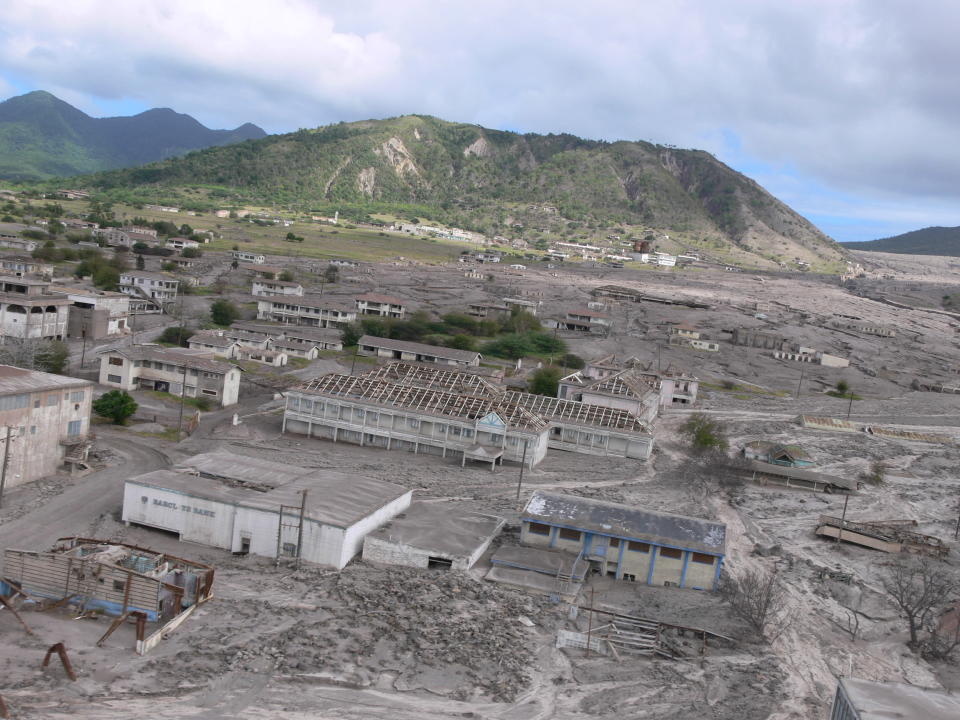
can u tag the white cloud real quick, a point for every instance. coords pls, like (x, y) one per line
(858, 94)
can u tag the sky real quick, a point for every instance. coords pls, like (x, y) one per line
(846, 110)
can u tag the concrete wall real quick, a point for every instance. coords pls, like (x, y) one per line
(177, 512)
(355, 534)
(37, 429)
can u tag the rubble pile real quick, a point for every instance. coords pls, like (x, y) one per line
(439, 631)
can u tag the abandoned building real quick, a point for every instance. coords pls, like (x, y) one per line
(249, 257)
(148, 292)
(799, 353)
(25, 265)
(248, 505)
(374, 412)
(29, 311)
(531, 306)
(274, 288)
(892, 536)
(607, 381)
(119, 580)
(492, 311)
(628, 543)
(867, 700)
(583, 320)
(319, 311)
(381, 305)
(172, 370)
(777, 453)
(48, 420)
(266, 272)
(415, 352)
(865, 328)
(770, 474)
(295, 340)
(758, 339)
(617, 293)
(95, 314)
(427, 409)
(433, 535)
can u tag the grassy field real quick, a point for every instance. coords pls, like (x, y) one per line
(320, 241)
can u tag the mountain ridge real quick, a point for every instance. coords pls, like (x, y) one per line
(41, 136)
(496, 182)
(935, 240)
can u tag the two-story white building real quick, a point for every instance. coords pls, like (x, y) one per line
(275, 288)
(95, 314)
(381, 305)
(28, 311)
(195, 374)
(180, 243)
(312, 311)
(148, 291)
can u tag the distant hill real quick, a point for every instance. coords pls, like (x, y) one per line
(41, 136)
(929, 241)
(495, 182)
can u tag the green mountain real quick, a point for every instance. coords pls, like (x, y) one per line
(536, 187)
(42, 136)
(928, 241)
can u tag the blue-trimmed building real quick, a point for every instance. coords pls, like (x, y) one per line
(628, 543)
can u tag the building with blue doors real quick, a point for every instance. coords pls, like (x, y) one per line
(628, 543)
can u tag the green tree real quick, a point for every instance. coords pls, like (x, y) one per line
(843, 387)
(52, 357)
(705, 434)
(575, 362)
(462, 342)
(191, 252)
(176, 336)
(331, 274)
(223, 312)
(234, 264)
(545, 381)
(117, 405)
(350, 334)
(286, 276)
(140, 262)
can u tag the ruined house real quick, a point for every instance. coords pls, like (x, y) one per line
(116, 579)
(867, 700)
(628, 543)
(777, 453)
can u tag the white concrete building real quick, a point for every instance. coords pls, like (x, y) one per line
(318, 312)
(147, 367)
(249, 257)
(148, 291)
(28, 311)
(531, 306)
(273, 288)
(248, 505)
(179, 243)
(49, 420)
(439, 536)
(381, 305)
(95, 314)
(26, 265)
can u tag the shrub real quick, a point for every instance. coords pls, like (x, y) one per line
(705, 434)
(545, 381)
(176, 336)
(223, 312)
(117, 405)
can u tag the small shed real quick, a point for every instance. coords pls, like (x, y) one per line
(777, 454)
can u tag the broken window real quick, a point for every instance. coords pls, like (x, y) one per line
(702, 558)
(568, 534)
(439, 563)
(119, 585)
(614, 542)
(638, 546)
(671, 553)
(290, 549)
(538, 528)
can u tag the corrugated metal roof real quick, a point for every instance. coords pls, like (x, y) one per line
(624, 521)
(14, 381)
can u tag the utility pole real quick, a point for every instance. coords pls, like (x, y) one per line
(83, 353)
(303, 507)
(353, 364)
(843, 519)
(850, 406)
(3, 472)
(523, 464)
(183, 392)
(800, 383)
